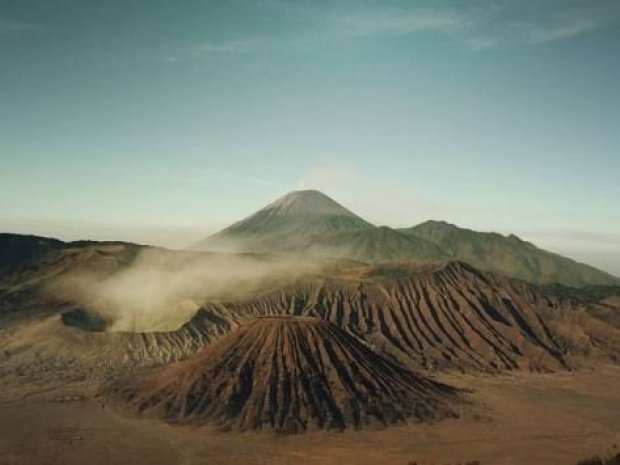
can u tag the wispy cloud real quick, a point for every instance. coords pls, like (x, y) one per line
(478, 25)
(401, 22)
(535, 34)
(16, 27)
(547, 21)
(335, 30)
(241, 47)
(486, 23)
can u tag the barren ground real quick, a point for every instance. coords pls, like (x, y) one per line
(515, 419)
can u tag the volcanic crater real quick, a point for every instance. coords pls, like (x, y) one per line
(286, 374)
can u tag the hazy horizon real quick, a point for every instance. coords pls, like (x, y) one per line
(155, 123)
(574, 244)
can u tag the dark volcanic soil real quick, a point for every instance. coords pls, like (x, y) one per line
(287, 374)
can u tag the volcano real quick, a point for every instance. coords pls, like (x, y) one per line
(287, 374)
(286, 224)
(308, 221)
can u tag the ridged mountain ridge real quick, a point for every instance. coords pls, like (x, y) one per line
(507, 255)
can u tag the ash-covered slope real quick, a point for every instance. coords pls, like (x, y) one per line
(508, 255)
(287, 374)
(450, 317)
(286, 224)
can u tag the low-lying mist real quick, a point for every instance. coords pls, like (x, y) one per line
(160, 289)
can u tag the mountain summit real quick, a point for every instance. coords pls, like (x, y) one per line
(309, 202)
(287, 223)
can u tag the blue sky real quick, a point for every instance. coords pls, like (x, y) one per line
(161, 121)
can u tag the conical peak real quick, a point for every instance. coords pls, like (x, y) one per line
(288, 374)
(287, 223)
(308, 202)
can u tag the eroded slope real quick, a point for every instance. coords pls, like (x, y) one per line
(287, 374)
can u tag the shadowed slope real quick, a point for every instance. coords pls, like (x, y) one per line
(288, 374)
(18, 249)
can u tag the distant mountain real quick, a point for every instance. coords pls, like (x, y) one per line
(25, 251)
(287, 224)
(309, 222)
(508, 255)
